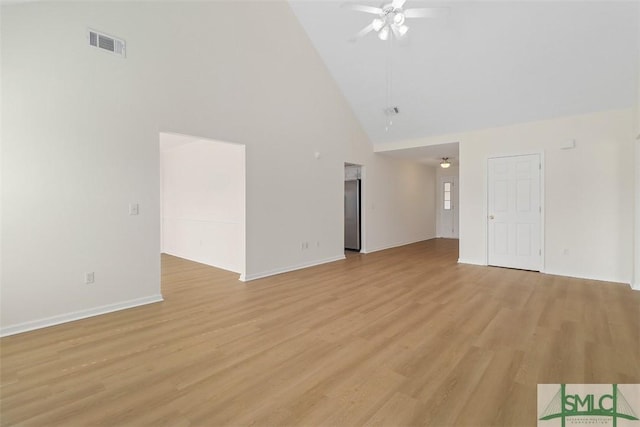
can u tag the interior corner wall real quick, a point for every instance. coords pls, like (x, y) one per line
(203, 186)
(588, 202)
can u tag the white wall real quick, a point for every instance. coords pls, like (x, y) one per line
(399, 202)
(203, 201)
(397, 198)
(80, 142)
(78, 148)
(588, 201)
(588, 190)
(636, 275)
(1, 163)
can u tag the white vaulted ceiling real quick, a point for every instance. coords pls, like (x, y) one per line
(486, 64)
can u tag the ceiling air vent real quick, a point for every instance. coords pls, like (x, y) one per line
(391, 111)
(106, 42)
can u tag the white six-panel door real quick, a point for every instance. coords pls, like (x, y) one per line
(514, 212)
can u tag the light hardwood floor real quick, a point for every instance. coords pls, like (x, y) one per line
(401, 337)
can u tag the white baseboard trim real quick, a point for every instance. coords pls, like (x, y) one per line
(472, 262)
(564, 274)
(202, 261)
(596, 278)
(249, 277)
(635, 286)
(396, 245)
(77, 315)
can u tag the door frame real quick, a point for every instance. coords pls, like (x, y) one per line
(485, 222)
(363, 204)
(358, 213)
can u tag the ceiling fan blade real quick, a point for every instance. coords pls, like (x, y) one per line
(397, 4)
(431, 12)
(363, 32)
(363, 8)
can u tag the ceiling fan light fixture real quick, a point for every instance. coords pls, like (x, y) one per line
(398, 18)
(389, 20)
(383, 34)
(445, 163)
(377, 24)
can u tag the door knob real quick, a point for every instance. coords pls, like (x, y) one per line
(491, 216)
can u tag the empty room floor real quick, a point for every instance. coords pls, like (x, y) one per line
(401, 337)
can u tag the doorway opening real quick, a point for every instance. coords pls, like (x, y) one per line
(352, 207)
(202, 201)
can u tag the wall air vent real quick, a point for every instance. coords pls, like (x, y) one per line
(106, 42)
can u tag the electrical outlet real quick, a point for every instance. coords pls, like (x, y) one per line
(89, 278)
(134, 209)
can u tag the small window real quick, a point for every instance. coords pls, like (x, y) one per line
(447, 196)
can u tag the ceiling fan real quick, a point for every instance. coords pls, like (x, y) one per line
(390, 19)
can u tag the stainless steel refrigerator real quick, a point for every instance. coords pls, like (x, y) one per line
(352, 215)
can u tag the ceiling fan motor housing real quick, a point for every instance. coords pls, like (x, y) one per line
(392, 15)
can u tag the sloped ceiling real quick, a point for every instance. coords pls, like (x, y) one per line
(430, 155)
(486, 64)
